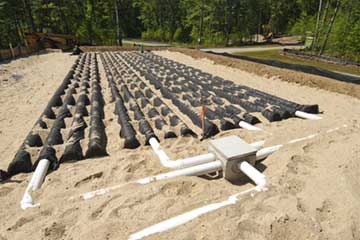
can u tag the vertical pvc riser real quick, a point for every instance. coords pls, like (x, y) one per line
(35, 183)
(39, 174)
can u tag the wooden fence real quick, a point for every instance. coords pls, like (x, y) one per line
(17, 52)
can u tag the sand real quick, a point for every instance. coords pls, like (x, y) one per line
(313, 185)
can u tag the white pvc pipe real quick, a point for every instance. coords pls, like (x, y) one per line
(40, 173)
(191, 171)
(263, 153)
(303, 138)
(192, 161)
(248, 126)
(181, 163)
(35, 183)
(249, 170)
(258, 145)
(187, 162)
(305, 115)
(186, 217)
(257, 177)
(194, 170)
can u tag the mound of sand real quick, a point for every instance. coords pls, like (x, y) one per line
(313, 185)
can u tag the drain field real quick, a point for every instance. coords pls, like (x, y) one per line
(154, 97)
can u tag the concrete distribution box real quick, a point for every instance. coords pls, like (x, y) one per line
(231, 151)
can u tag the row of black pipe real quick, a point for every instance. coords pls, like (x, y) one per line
(132, 95)
(143, 125)
(84, 68)
(127, 131)
(22, 162)
(228, 119)
(210, 128)
(97, 136)
(272, 107)
(205, 84)
(157, 109)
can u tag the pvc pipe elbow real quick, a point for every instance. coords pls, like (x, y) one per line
(26, 201)
(171, 164)
(35, 183)
(261, 185)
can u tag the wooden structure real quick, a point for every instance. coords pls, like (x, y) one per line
(50, 40)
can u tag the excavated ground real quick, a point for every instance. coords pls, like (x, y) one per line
(313, 192)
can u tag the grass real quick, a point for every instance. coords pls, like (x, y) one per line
(267, 45)
(277, 56)
(205, 45)
(213, 45)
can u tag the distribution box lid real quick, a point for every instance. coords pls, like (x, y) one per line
(232, 147)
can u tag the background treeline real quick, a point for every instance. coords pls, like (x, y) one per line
(334, 23)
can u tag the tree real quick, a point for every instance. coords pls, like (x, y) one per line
(330, 27)
(118, 27)
(317, 25)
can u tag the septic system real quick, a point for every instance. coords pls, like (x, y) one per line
(154, 99)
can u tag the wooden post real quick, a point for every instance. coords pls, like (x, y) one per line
(202, 116)
(27, 46)
(12, 50)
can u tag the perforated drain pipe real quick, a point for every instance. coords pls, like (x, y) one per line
(187, 162)
(258, 178)
(305, 115)
(35, 183)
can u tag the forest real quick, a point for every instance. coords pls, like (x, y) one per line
(334, 24)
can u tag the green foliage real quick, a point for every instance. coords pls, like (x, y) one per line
(302, 25)
(93, 21)
(210, 22)
(181, 35)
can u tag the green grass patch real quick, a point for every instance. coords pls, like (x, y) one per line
(277, 56)
(204, 45)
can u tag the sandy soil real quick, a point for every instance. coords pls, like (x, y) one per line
(313, 192)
